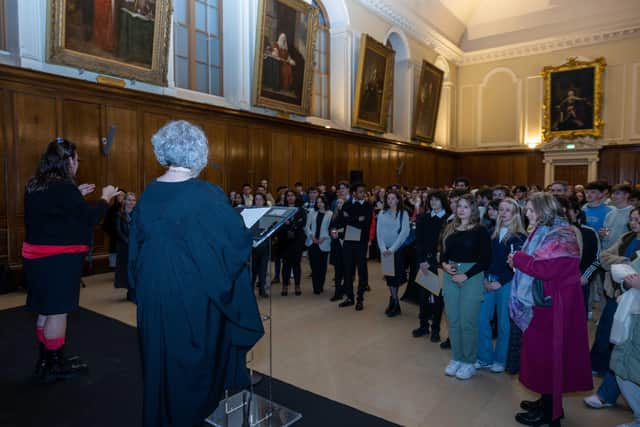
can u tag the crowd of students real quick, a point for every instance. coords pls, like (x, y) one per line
(519, 264)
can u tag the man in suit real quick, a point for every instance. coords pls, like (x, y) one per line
(357, 215)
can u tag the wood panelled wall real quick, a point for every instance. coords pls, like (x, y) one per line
(617, 163)
(36, 107)
(511, 168)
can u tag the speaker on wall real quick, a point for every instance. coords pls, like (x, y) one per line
(355, 177)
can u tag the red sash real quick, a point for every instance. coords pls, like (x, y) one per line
(30, 251)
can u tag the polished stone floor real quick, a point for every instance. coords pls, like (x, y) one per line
(365, 360)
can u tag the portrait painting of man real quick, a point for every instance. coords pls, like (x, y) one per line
(284, 60)
(427, 103)
(572, 99)
(374, 85)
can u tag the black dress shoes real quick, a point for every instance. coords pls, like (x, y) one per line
(435, 336)
(346, 303)
(536, 419)
(359, 306)
(336, 297)
(532, 405)
(446, 344)
(420, 332)
(57, 367)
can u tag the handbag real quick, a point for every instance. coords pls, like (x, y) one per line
(412, 233)
(539, 300)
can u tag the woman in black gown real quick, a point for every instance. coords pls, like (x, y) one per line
(188, 261)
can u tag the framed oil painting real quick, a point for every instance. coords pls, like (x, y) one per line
(283, 66)
(122, 38)
(573, 99)
(425, 113)
(374, 85)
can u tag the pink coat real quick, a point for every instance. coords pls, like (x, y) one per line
(555, 347)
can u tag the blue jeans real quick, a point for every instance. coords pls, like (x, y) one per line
(499, 300)
(602, 348)
(609, 390)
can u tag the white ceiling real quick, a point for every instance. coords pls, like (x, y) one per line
(481, 24)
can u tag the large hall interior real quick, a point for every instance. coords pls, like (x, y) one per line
(348, 213)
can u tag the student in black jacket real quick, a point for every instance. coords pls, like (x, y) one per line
(291, 239)
(356, 214)
(58, 227)
(429, 226)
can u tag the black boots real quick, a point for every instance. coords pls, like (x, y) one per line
(55, 367)
(41, 364)
(539, 413)
(389, 306)
(394, 309)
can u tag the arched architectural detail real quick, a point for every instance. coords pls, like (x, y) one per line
(400, 43)
(338, 13)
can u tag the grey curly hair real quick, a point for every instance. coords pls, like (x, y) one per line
(179, 143)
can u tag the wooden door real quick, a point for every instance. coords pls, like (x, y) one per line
(573, 174)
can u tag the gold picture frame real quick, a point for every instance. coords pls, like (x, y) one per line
(427, 103)
(283, 74)
(372, 99)
(573, 99)
(129, 42)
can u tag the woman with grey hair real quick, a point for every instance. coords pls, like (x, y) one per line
(197, 316)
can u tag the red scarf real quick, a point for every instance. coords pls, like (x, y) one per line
(30, 251)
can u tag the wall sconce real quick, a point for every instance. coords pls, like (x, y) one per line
(532, 143)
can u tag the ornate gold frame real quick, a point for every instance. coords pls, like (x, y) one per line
(304, 107)
(368, 42)
(157, 74)
(574, 64)
(432, 69)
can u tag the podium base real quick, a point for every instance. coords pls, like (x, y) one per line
(244, 409)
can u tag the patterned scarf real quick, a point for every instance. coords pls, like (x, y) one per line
(544, 242)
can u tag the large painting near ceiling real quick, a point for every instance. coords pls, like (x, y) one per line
(283, 67)
(573, 99)
(425, 113)
(123, 38)
(374, 85)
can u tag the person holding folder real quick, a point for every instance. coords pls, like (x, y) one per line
(466, 255)
(356, 217)
(318, 242)
(429, 226)
(508, 236)
(392, 230)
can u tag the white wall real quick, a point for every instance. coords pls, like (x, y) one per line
(349, 19)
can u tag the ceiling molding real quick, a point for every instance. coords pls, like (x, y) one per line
(417, 27)
(550, 44)
(424, 32)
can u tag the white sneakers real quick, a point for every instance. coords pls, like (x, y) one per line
(481, 365)
(462, 371)
(452, 368)
(466, 371)
(595, 402)
(631, 424)
(496, 368)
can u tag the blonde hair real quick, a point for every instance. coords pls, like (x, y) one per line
(515, 226)
(474, 219)
(546, 208)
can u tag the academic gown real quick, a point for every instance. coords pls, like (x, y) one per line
(197, 315)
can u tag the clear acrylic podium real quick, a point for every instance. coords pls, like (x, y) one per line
(246, 408)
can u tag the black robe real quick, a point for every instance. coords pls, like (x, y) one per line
(197, 315)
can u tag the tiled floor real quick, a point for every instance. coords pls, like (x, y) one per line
(367, 361)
